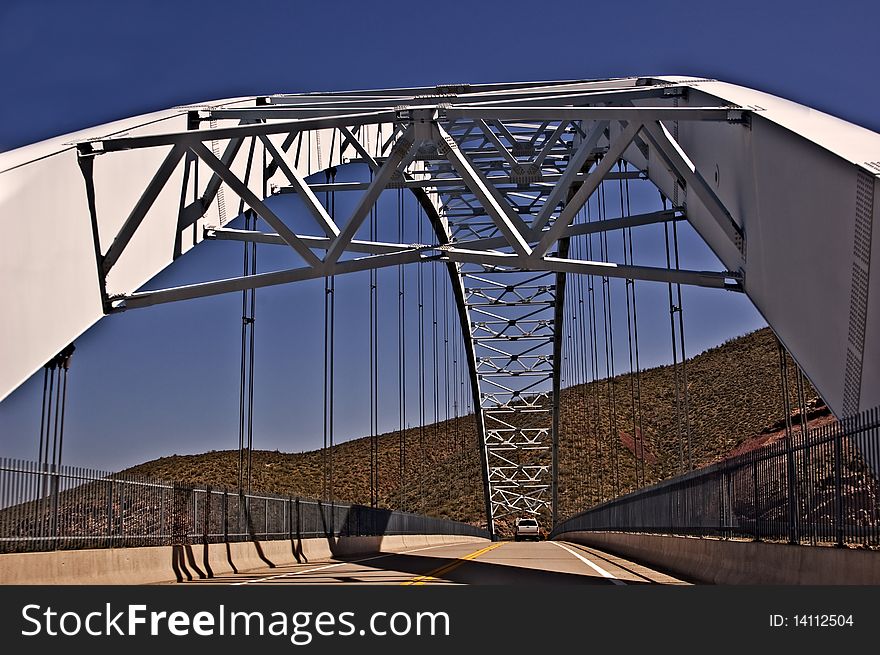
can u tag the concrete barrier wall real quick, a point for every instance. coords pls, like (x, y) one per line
(729, 562)
(158, 564)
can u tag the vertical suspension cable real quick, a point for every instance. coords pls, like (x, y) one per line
(329, 362)
(52, 415)
(248, 317)
(806, 496)
(791, 474)
(471, 446)
(802, 404)
(332, 383)
(629, 289)
(434, 369)
(599, 481)
(57, 412)
(43, 408)
(577, 328)
(786, 399)
(421, 301)
(63, 368)
(567, 427)
(374, 368)
(242, 388)
(59, 368)
(326, 427)
(464, 404)
(686, 406)
(566, 378)
(446, 401)
(675, 371)
(456, 397)
(585, 422)
(608, 316)
(640, 448)
(331, 414)
(48, 401)
(401, 355)
(572, 429)
(251, 360)
(456, 431)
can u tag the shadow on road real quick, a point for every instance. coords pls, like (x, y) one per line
(403, 567)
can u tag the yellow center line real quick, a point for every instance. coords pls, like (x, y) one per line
(451, 566)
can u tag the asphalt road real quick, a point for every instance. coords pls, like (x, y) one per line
(511, 563)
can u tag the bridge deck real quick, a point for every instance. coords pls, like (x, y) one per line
(464, 564)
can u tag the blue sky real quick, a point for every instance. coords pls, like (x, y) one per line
(165, 380)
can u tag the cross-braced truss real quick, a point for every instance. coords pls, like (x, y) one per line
(502, 170)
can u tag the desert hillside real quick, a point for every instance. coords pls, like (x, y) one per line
(735, 402)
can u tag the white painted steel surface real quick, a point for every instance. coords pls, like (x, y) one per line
(792, 180)
(49, 280)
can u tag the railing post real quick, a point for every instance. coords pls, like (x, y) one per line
(162, 494)
(194, 526)
(110, 511)
(53, 525)
(755, 496)
(225, 515)
(793, 537)
(242, 509)
(42, 507)
(838, 480)
(207, 526)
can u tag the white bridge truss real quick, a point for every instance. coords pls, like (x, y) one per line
(785, 196)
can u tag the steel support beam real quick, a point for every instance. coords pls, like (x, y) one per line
(710, 279)
(507, 222)
(637, 114)
(399, 153)
(678, 160)
(594, 179)
(302, 188)
(446, 182)
(116, 144)
(320, 243)
(572, 172)
(148, 197)
(260, 280)
(241, 189)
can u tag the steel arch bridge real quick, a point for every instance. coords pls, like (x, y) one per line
(784, 195)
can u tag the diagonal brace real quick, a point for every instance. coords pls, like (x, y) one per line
(241, 189)
(681, 164)
(572, 170)
(399, 153)
(505, 219)
(299, 183)
(148, 197)
(594, 179)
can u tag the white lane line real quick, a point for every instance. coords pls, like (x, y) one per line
(331, 566)
(598, 569)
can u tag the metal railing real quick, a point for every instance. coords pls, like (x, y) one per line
(69, 508)
(818, 487)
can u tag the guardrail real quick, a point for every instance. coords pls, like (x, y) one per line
(71, 507)
(811, 487)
